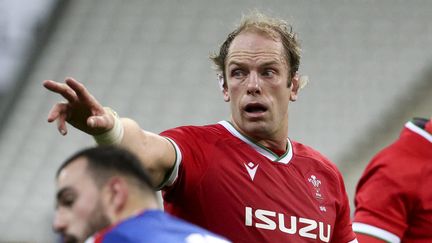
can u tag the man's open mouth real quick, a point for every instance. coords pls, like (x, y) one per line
(255, 108)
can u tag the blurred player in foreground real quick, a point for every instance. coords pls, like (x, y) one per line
(105, 196)
(394, 195)
(242, 178)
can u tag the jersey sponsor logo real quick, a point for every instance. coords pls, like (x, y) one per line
(251, 169)
(304, 227)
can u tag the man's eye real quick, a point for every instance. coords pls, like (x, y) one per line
(67, 201)
(268, 73)
(237, 73)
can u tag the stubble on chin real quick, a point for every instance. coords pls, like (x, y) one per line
(99, 221)
(69, 239)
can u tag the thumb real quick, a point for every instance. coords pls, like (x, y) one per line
(103, 122)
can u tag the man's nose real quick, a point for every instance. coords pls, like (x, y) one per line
(254, 84)
(59, 222)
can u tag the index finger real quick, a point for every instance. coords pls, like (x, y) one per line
(80, 90)
(62, 89)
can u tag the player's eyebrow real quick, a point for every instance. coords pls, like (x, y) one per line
(264, 64)
(234, 63)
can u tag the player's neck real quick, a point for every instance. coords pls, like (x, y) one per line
(275, 140)
(134, 207)
(279, 147)
(279, 153)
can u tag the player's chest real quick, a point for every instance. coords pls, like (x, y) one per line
(272, 196)
(261, 183)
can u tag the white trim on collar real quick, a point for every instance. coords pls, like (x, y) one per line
(411, 126)
(284, 159)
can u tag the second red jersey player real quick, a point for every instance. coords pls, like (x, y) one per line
(393, 198)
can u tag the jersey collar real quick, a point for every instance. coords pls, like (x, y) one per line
(412, 127)
(284, 159)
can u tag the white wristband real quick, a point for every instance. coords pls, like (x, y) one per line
(115, 135)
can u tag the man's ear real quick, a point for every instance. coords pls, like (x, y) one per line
(223, 86)
(226, 94)
(295, 86)
(118, 193)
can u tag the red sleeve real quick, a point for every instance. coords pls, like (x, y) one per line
(190, 142)
(384, 195)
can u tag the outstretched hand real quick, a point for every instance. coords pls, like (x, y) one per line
(81, 110)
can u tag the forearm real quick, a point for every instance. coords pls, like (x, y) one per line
(156, 153)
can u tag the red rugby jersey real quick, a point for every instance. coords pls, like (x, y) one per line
(394, 196)
(243, 191)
